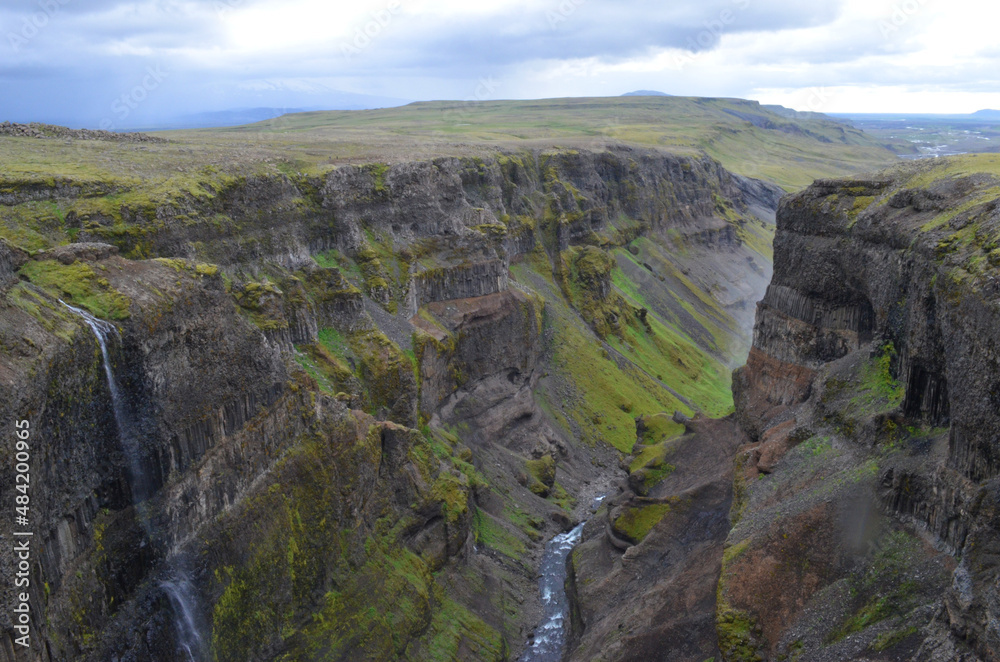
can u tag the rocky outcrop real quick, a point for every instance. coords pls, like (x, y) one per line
(37, 130)
(214, 426)
(256, 219)
(497, 335)
(194, 374)
(12, 258)
(462, 281)
(336, 300)
(874, 348)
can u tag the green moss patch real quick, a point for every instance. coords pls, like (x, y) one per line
(636, 520)
(455, 633)
(885, 641)
(738, 631)
(878, 609)
(52, 316)
(332, 375)
(738, 635)
(877, 389)
(334, 341)
(80, 285)
(387, 375)
(559, 496)
(585, 276)
(490, 532)
(650, 466)
(598, 398)
(885, 587)
(678, 362)
(658, 428)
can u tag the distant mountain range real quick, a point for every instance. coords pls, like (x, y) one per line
(262, 105)
(240, 116)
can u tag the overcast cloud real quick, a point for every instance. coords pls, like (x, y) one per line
(144, 63)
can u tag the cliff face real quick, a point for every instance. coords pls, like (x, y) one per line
(338, 415)
(866, 504)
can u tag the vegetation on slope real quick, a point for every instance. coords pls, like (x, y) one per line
(383, 600)
(192, 166)
(80, 285)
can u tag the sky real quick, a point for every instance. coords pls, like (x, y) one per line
(114, 64)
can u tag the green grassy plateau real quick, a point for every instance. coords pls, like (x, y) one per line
(744, 136)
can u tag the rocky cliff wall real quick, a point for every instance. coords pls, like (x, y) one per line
(875, 349)
(258, 219)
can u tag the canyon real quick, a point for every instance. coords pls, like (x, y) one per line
(360, 402)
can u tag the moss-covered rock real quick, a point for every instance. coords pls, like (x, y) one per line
(541, 475)
(637, 518)
(80, 285)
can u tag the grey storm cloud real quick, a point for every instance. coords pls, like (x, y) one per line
(556, 30)
(60, 29)
(72, 60)
(599, 29)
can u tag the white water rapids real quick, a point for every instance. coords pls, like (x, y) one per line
(550, 635)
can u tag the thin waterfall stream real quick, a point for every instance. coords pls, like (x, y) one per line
(549, 640)
(177, 587)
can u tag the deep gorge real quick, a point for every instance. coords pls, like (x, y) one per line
(365, 401)
(360, 404)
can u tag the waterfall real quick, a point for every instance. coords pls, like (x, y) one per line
(180, 592)
(550, 635)
(178, 587)
(102, 330)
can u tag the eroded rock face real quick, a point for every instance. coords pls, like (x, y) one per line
(644, 580)
(283, 220)
(225, 445)
(875, 350)
(498, 335)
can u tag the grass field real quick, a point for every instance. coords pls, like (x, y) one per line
(745, 137)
